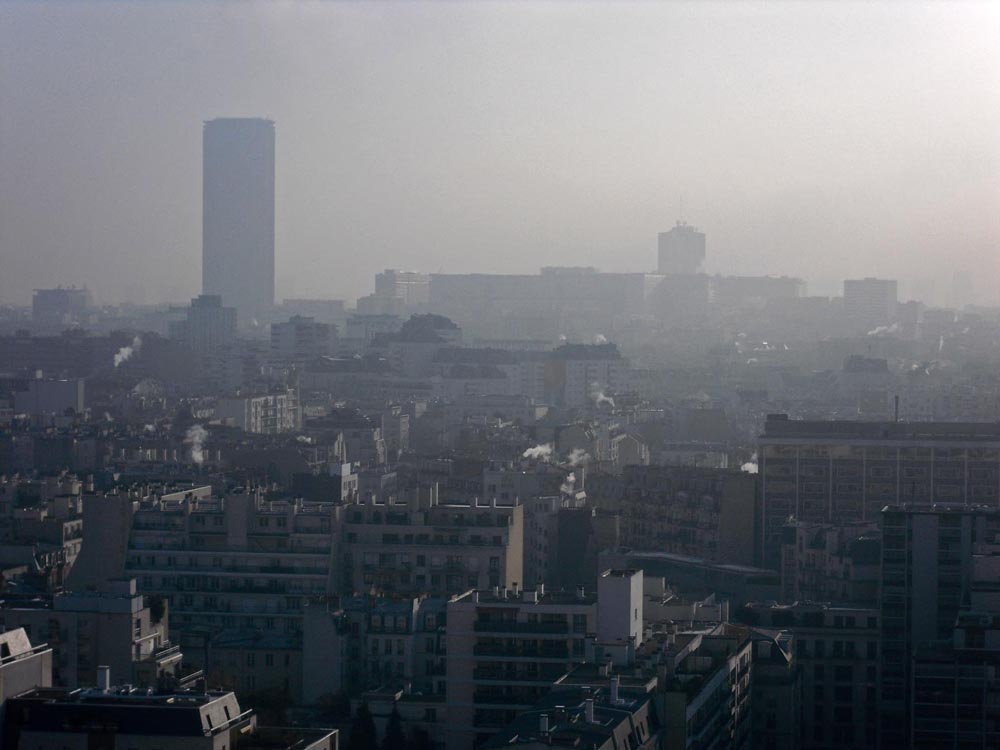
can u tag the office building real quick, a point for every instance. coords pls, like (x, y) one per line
(54, 310)
(869, 303)
(208, 326)
(842, 472)
(262, 414)
(681, 250)
(301, 339)
(238, 215)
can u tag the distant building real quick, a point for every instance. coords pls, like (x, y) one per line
(300, 339)
(45, 399)
(681, 250)
(831, 563)
(262, 414)
(238, 215)
(208, 326)
(869, 302)
(60, 308)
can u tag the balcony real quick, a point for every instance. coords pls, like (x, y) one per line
(484, 649)
(504, 700)
(544, 676)
(510, 626)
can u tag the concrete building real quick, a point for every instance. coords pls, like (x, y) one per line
(706, 689)
(505, 649)
(44, 399)
(301, 339)
(837, 651)
(23, 666)
(682, 510)
(828, 563)
(584, 718)
(54, 310)
(928, 573)
(869, 303)
(681, 250)
(262, 414)
(238, 214)
(208, 326)
(123, 718)
(116, 626)
(423, 546)
(363, 644)
(842, 472)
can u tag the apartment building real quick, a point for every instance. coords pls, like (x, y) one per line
(506, 647)
(587, 718)
(362, 643)
(231, 564)
(845, 472)
(115, 625)
(263, 413)
(124, 717)
(831, 563)
(837, 652)
(415, 545)
(682, 510)
(706, 689)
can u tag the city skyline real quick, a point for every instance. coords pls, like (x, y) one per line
(490, 134)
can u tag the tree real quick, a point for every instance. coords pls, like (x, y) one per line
(394, 738)
(363, 735)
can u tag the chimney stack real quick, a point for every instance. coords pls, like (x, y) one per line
(588, 710)
(543, 723)
(614, 690)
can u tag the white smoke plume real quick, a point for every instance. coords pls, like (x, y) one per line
(598, 396)
(600, 339)
(195, 437)
(577, 456)
(750, 467)
(541, 452)
(884, 330)
(125, 353)
(567, 486)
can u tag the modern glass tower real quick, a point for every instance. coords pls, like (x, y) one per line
(238, 215)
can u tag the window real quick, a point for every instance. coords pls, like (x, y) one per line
(268, 660)
(250, 660)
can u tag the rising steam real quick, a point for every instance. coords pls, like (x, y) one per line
(541, 452)
(126, 352)
(196, 436)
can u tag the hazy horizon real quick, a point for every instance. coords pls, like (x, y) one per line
(818, 140)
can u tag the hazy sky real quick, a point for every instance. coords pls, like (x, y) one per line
(819, 140)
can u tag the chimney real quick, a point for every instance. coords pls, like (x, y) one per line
(581, 592)
(588, 710)
(614, 690)
(543, 723)
(541, 589)
(514, 587)
(104, 679)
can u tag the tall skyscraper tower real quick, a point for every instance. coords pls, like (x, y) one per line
(238, 214)
(681, 250)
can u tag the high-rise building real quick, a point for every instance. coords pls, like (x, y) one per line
(238, 214)
(869, 303)
(681, 250)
